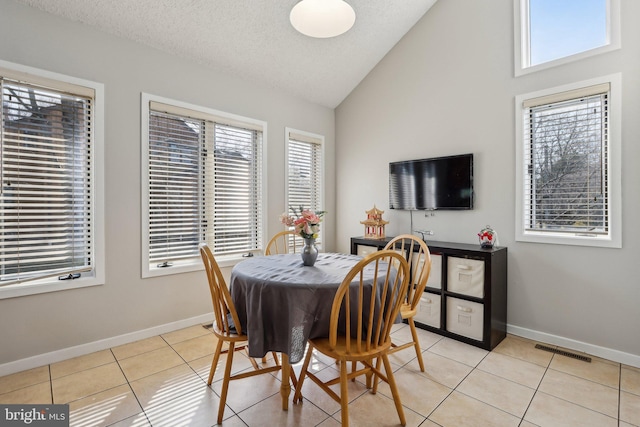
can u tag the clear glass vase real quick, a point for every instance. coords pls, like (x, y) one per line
(309, 252)
(488, 237)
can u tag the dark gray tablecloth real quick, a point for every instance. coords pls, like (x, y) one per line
(281, 303)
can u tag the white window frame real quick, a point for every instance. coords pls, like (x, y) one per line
(522, 39)
(63, 82)
(194, 263)
(613, 239)
(313, 138)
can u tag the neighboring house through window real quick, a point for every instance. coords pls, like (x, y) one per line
(305, 172)
(51, 225)
(568, 171)
(203, 183)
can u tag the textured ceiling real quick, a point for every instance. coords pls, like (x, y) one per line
(253, 39)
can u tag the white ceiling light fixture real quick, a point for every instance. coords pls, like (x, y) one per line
(322, 18)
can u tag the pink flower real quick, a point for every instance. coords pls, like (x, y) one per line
(310, 216)
(305, 221)
(286, 220)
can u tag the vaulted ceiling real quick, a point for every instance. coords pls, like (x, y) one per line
(253, 39)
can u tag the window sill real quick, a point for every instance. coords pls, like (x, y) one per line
(41, 287)
(190, 265)
(569, 239)
(522, 71)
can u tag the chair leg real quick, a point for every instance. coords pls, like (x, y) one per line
(344, 396)
(275, 358)
(214, 363)
(416, 343)
(394, 389)
(253, 362)
(370, 375)
(376, 380)
(293, 377)
(225, 383)
(297, 396)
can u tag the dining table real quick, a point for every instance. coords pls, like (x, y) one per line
(281, 303)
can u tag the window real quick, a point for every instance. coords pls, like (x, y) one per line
(50, 206)
(568, 172)
(553, 32)
(305, 176)
(203, 183)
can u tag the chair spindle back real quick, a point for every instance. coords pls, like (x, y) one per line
(419, 260)
(223, 308)
(357, 296)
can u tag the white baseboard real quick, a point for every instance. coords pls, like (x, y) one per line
(80, 350)
(594, 350)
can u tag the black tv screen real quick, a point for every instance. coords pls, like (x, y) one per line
(431, 184)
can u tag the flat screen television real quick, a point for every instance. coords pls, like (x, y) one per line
(439, 183)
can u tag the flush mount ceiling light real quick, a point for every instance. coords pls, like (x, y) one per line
(322, 18)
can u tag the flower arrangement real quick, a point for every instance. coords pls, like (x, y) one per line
(305, 221)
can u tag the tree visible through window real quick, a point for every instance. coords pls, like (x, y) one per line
(566, 149)
(46, 212)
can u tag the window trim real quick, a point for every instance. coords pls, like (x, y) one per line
(185, 108)
(312, 138)
(521, 39)
(64, 83)
(614, 238)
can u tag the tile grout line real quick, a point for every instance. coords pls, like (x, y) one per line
(236, 414)
(574, 403)
(130, 388)
(536, 390)
(50, 383)
(473, 368)
(547, 370)
(619, 391)
(476, 368)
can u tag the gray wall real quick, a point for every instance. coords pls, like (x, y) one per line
(36, 325)
(448, 87)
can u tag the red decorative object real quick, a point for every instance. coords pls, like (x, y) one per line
(487, 237)
(374, 224)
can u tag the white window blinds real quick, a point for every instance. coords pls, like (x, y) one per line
(176, 150)
(204, 185)
(305, 172)
(46, 182)
(235, 194)
(566, 154)
(305, 178)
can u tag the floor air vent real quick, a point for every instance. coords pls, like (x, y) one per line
(563, 353)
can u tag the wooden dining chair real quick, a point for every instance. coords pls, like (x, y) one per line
(419, 260)
(227, 329)
(366, 334)
(284, 242)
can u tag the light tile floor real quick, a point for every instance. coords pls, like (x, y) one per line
(160, 381)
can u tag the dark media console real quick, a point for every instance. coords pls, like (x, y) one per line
(466, 294)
